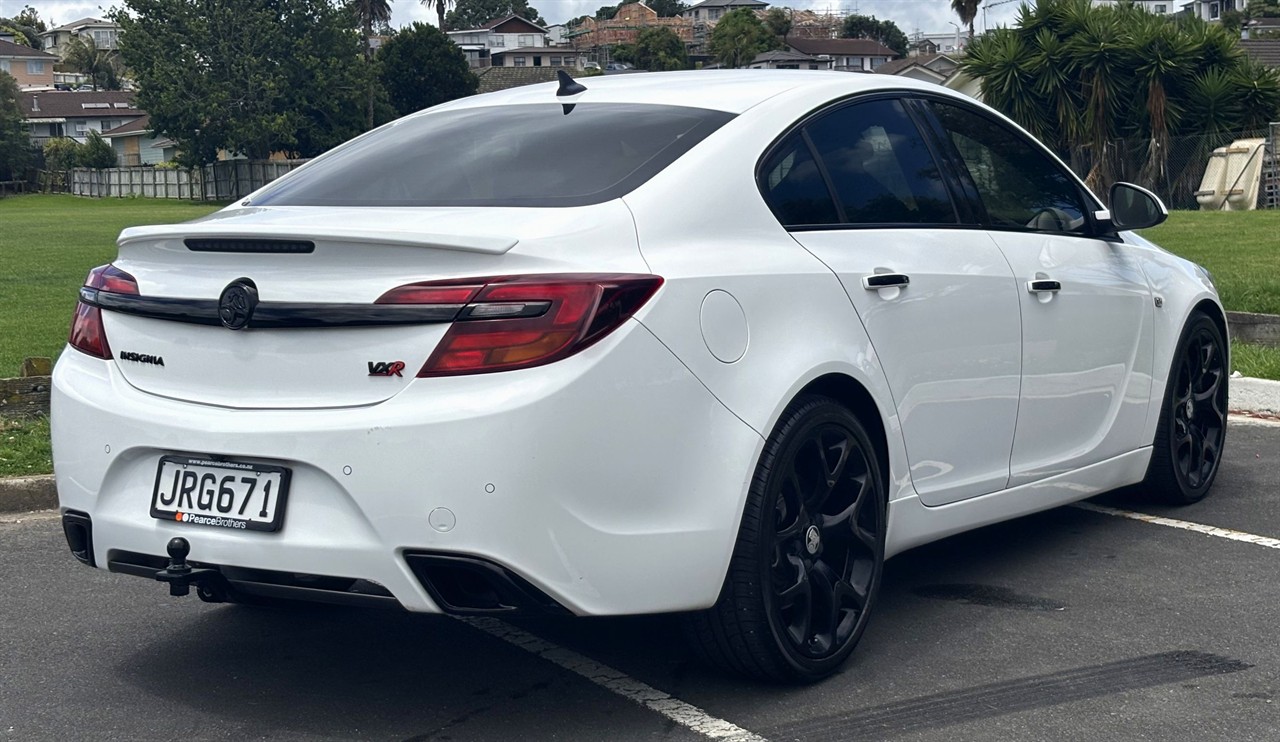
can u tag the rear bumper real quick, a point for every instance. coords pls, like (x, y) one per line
(611, 481)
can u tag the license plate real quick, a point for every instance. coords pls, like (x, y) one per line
(224, 494)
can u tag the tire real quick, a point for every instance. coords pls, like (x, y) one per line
(1191, 433)
(806, 567)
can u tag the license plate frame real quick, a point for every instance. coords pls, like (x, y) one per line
(274, 502)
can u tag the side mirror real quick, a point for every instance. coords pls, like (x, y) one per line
(1134, 207)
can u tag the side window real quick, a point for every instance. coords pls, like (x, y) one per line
(1021, 186)
(793, 187)
(882, 171)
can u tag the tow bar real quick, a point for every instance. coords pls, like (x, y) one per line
(210, 584)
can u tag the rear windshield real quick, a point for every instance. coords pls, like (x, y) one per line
(517, 155)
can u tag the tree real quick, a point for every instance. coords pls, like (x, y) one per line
(420, 67)
(26, 27)
(1080, 77)
(96, 153)
(370, 13)
(967, 10)
(868, 27)
(658, 49)
(778, 21)
(440, 6)
(475, 13)
(102, 66)
(62, 153)
(289, 79)
(15, 146)
(667, 8)
(605, 12)
(738, 37)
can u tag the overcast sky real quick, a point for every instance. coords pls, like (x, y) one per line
(929, 16)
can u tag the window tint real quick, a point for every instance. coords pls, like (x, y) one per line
(515, 155)
(1021, 186)
(881, 169)
(793, 187)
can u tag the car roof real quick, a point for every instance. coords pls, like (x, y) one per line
(733, 91)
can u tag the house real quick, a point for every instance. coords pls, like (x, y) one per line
(104, 34)
(59, 113)
(510, 32)
(785, 60)
(135, 143)
(1157, 7)
(32, 68)
(947, 42)
(537, 56)
(1210, 10)
(935, 68)
(847, 55)
(626, 24)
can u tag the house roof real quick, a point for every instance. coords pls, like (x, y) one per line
(501, 78)
(847, 47)
(74, 25)
(728, 4)
(928, 61)
(10, 50)
(1266, 51)
(782, 56)
(68, 105)
(496, 22)
(137, 126)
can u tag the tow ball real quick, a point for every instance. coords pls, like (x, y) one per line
(181, 576)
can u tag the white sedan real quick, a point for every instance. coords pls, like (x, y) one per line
(712, 342)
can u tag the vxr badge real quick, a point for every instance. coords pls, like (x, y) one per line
(385, 368)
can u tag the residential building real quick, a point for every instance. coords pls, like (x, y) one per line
(1211, 10)
(135, 144)
(625, 25)
(59, 113)
(1157, 7)
(784, 60)
(104, 34)
(32, 68)
(537, 56)
(510, 32)
(846, 55)
(948, 42)
(935, 68)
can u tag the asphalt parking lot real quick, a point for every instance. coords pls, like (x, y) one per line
(1072, 624)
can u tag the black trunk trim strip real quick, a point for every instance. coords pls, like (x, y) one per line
(274, 314)
(274, 247)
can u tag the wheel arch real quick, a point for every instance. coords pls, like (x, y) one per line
(849, 392)
(1213, 311)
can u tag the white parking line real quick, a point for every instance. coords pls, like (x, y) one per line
(1248, 538)
(684, 714)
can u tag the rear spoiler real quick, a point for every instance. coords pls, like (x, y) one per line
(490, 245)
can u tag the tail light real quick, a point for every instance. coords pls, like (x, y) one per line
(87, 333)
(510, 322)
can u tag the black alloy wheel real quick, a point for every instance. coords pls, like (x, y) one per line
(1193, 420)
(810, 553)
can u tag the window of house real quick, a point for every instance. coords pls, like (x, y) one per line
(35, 68)
(4, 65)
(537, 61)
(713, 14)
(1213, 11)
(497, 41)
(526, 40)
(1020, 185)
(555, 61)
(519, 61)
(1162, 9)
(793, 186)
(880, 166)
(877, 61)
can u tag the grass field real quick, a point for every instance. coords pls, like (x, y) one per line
(47, 246)
(24, 447)
(1240, 249)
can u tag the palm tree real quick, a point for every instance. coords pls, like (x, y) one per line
(370, 13)
(440, 6)
(100, 65)
(967, 10)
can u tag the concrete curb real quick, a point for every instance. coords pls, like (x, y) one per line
(1256, 397)
(20, 494)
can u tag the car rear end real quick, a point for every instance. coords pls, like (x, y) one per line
(383, 380)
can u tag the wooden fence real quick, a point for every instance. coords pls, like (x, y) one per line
(226, 180)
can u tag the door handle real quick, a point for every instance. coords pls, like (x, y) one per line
(877, 281)
(1043, 285)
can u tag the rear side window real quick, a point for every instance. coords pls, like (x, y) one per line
(517, 155)
(1020, 186)
(880, 166)
(793, 186)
